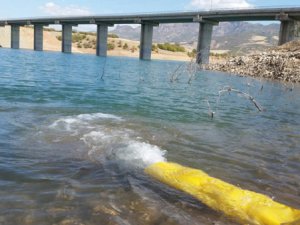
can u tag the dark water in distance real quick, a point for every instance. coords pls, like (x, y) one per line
(73, 146)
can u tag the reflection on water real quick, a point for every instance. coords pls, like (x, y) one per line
(73, 146)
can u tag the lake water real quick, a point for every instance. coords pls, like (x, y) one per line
(76, 132)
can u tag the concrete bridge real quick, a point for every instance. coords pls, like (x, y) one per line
(289, 29)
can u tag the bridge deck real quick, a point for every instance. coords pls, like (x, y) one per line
(180, 17)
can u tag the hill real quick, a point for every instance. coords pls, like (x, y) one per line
(85, 42)
(236, 37)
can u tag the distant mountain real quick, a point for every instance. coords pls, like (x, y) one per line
(235, 36)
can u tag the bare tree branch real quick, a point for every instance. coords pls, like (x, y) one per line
(243, 94)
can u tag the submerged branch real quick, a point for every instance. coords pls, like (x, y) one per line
(103, 70)
(175, 74)
(210, 112)
(243, 94)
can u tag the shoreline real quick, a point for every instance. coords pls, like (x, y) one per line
(52, 43)
(278, 63)
(281, 63)
(112, 55)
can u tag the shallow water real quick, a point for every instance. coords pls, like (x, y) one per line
(73, 145)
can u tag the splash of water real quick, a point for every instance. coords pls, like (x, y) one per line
(107, 139)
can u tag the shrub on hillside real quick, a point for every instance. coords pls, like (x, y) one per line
(87, 45)
(113, 36)
(154, 48)
(77, 37)
(88, 33)
(133, 49)
(192, 54)
(49, 29)
(171, 47)
(110, 46)
(93, 41)
(125, 46)
(219, 55)
(120, 44)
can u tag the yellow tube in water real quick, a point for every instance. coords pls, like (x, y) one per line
(245, 206)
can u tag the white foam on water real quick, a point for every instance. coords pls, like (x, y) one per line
(98, 116)
(140, 154)
(119, 146)
(72, 122)
(107, 139)
(64, 123)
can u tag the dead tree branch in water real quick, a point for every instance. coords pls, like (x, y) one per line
(103, 70)
(228, 89)
(191, 68)
(210, 112)
(175, 74)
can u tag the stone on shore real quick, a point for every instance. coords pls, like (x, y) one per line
(280, 63)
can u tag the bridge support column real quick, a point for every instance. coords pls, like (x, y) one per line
(102, 31)
(289, 31)
(15, 36)
(146, 41)
(66, 38)
(204, 41)
(38, 38)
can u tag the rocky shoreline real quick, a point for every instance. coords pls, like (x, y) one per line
(280, 63)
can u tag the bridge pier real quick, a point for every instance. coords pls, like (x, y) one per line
(66, 38)
(38, 38)
(204, 41)
(102, 31)
(146, 41)
(15, 37)
(289, 31)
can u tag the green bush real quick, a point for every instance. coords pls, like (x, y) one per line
(171, 47)
(59, 37)
(110, 46)
(133, 49)
(113, 36)
(219, 55)
(87, 45)
(125, 46)
(49, 29)
(88, 33)
(192, 54)
(77, 37)
(120, 44)
(154, 48)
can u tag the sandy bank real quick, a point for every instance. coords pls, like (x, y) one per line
(51, 43)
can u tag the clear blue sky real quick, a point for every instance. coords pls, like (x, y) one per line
(34, 8)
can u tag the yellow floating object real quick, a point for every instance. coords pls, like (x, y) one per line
(245, 206)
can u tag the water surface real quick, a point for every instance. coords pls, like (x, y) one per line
(76, 132)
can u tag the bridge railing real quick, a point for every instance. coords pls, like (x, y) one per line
(212, 9)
